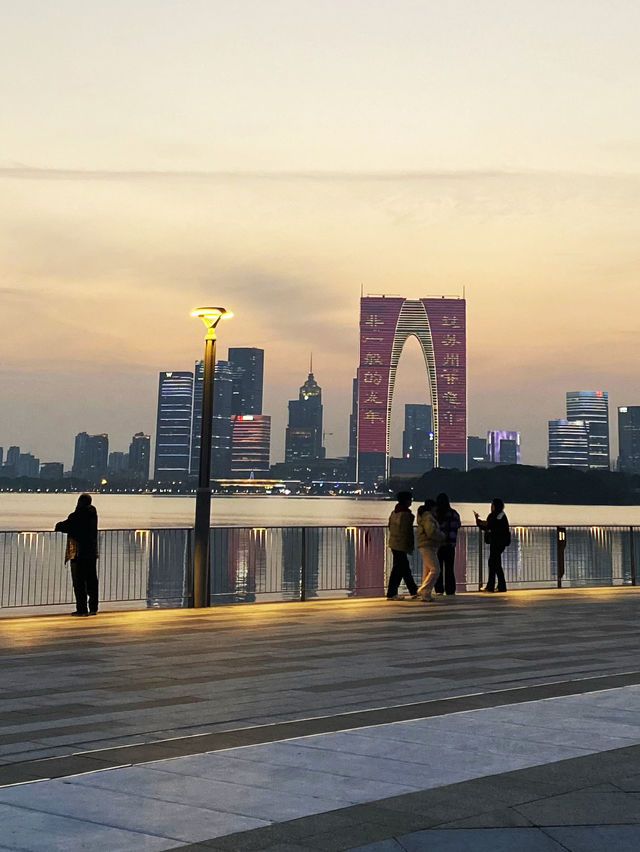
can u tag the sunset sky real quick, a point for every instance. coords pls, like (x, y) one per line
(275, 156)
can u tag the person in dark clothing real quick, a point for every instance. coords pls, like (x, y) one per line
(498, 536)
(81, 528)
(449, 521)
(401, 542)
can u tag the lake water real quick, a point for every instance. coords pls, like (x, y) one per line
(143, 511)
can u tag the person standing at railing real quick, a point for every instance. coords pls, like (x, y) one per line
(449, 521)
(401, 543)
(498, 536)
(81, 528)
(430, 536)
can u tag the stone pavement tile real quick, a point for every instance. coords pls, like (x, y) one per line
(127, 811)
(498, 818)
(259, 803)
(480, 840)
(621, 838)
(337, 841)
(40, 832)
(380, 846)
(584, 808)
(286, 779)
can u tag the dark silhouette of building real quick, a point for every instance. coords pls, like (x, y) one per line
(140, 457)
(90, 457)
(13, 454)
(221, 420)
(304, 431)
(248, 369)
(52, 470)
(629, 438)
(173, 426)
(417, 437)
(28, 465)
(118, 465)
(568, 444)
(476, 452)
(592, 408)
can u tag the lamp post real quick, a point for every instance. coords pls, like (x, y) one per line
(211, 317)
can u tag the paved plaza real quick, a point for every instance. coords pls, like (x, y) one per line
(494, 722)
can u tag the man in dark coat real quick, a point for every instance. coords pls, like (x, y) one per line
(81, 528)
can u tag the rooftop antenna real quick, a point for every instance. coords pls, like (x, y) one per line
(311, 363)
(361, 290)
(464, 291)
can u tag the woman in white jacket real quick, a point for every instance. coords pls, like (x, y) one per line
(430, 537)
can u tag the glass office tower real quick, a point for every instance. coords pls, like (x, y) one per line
(592, 408)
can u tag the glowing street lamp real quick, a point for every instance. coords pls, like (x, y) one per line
(211, 317)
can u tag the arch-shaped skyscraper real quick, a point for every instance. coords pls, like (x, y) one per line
(439, 324)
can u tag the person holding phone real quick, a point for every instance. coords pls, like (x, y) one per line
(498, 535)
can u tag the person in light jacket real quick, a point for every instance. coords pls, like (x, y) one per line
(81, 528)
(498, 535)
(401, 543)
(430, 537)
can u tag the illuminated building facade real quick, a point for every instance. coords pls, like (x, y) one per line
(503, 447)
(173, 426)
(251, 444)
(439, 324)
(592, 408)
(221, 420)
(568, 444)
(629, 438)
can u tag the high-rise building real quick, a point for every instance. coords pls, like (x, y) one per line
(439, 324)
(173, 426)
(417, 437)
(221, 421)
(503, 446)
(592, 408)
(353, 422)
(629, 438)
(476, 452)
(90, 457)
(248, 370)
(1, 456)
(140, 457)
(118, 464)
(251, 444)
(51, 470)
(304, 431)
(13, 454)
(568, 444)
(28, 465)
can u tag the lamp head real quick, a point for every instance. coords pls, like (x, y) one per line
(211, 317)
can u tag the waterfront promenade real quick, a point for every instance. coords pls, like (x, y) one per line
(477, 722)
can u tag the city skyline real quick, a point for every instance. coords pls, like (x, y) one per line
(289, 153)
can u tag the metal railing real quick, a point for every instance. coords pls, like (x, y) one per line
(153, 567)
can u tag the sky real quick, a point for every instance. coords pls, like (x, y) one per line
(275, 157)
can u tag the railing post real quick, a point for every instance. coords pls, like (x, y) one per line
(561, 543)
(480, 556)
(632, 556)
(303, 565)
